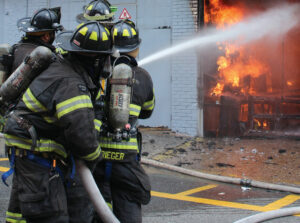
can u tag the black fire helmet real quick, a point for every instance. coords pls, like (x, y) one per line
(91, 37)
(45, 19)
(125, 36)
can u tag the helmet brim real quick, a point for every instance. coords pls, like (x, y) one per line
(128, 48)
(80, 18)
(24, 25)
(63, 40)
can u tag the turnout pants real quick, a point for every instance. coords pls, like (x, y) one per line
(39, 195)
(127, 188)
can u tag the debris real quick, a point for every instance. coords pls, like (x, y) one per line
(244, 189)
(224, 165)
(254, 151)
(282, 151)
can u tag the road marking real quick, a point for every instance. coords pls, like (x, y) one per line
(198, 189)
(270, 207)
(287, 200)
(3, 169)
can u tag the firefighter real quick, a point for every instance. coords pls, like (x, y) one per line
(120, 176)
(53, 123)
(98, 10)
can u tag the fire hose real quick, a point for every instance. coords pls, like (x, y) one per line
(96, 197)
(246, 182)
(270, 215)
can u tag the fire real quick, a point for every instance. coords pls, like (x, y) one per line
(236, 67)
(222, 15)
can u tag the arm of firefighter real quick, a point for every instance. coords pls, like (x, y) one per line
(148, 103)
(74, 110)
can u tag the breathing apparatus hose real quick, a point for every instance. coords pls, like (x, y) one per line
(270, 215)
(96, 197)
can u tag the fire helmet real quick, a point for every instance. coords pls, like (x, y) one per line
(91, 37)
(98, 10)
(125, 36)
(42, 20)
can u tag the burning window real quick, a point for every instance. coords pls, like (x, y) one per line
(254, 88)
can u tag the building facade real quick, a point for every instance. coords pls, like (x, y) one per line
(162, 24)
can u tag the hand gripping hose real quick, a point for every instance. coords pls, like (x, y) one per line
(96, 197)
(270, 215)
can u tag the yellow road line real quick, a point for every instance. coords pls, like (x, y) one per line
(222, 203)
(287, 200)
(3, 159)
(209, 201)
(3, 169)
(196, 190)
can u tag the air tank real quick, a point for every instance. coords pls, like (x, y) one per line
(120, 96)
(33, 64)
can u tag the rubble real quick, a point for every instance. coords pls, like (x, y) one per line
(267, 160)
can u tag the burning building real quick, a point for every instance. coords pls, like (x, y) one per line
(251, 89)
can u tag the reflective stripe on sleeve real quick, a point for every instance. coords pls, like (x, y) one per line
(14, 217)
(32, 103)
(93, 156)
(72, 104)
(149, 105)
(98, 124)
(135, 110)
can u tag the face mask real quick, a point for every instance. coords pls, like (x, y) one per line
(103, 66)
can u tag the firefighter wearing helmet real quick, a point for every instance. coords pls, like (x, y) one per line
(100, 11)
(52, 123)
(120, 177)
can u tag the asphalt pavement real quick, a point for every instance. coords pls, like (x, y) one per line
(178, 198)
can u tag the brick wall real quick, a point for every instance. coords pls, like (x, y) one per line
(184, 69)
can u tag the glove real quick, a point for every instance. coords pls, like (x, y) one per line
(92, 164)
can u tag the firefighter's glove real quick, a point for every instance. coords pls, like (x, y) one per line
(92, 164)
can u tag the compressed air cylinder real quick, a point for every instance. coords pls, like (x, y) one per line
(37, 61)
(4, 50)
(120, 95)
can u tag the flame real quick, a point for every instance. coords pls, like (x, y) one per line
(236, 64)
(222, 15)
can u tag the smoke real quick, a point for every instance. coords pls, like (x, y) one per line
(272, 23)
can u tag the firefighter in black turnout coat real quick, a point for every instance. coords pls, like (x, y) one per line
(120, 177)
(53, 123)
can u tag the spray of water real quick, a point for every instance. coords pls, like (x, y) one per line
(273, 23)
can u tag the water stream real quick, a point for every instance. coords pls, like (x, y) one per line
(273, 23)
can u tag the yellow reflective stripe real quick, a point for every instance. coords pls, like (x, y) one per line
(149, 105)
(98, 17)
(107, 30)
(126, 32)
(104, 36)
(135, 110)
(115, 32)
(49, 119)
(14, 217)
(15, 221)
(90, 7)
(106, 142)
(98, 124)
(43, 145)
(94, 36)
(83, 30)
(133, 31)
(72, 104)
(31, 102)
(93, 155)
(81, 24)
